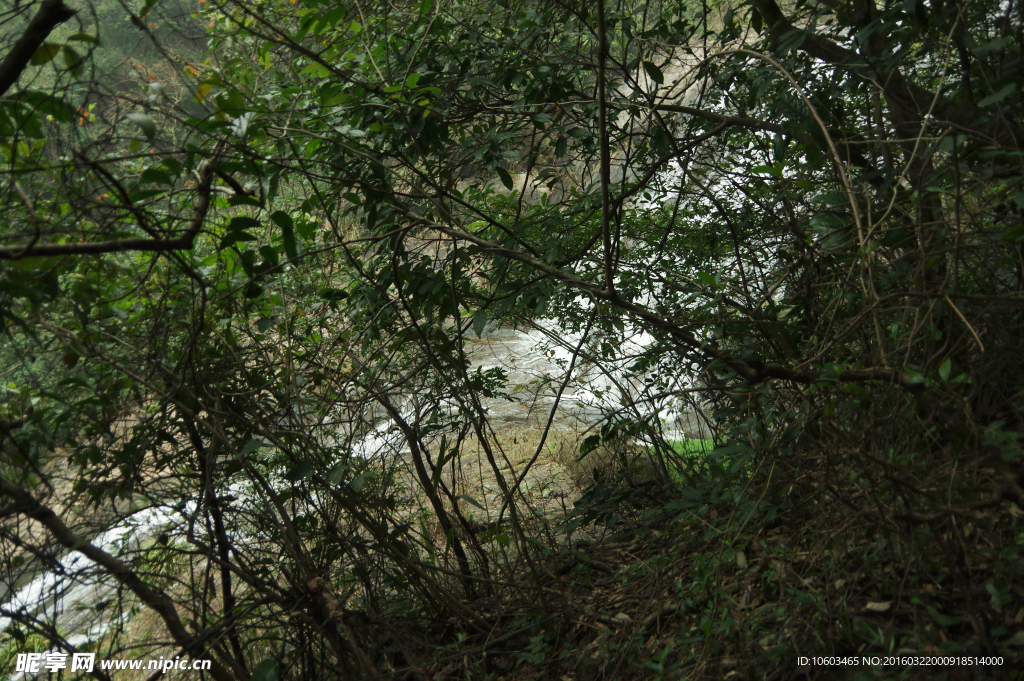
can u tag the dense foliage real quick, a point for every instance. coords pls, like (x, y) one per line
(224, 271)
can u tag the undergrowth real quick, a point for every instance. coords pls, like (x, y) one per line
(809, 552)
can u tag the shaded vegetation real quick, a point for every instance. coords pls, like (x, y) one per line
(249, 247)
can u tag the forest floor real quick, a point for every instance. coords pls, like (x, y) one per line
(825, 586)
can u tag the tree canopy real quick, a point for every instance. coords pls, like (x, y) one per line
(244, 237)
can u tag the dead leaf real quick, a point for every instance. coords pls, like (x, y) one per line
(877, 606)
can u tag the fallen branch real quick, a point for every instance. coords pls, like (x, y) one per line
(652, 619)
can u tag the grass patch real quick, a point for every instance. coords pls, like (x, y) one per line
(692, 448)
(687, 457)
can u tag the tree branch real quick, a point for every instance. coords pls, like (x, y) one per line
(51, 14)
(739, 121)
(156, 600)
(908, 101)
(750, 370)
(853, 155)
(180, 243)
(13, 424)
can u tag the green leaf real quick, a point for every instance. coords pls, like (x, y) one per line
(470, 500)
(506, 179)
(251, 446)
(823, 223)
(589, 445)
(443, 458)
(156, 176)
(267, 671)
(917, 10)
(264, 323)
(72, 60)
(44, 54)
(998, 593)
(943, 620)
(359, 482)
(337, 473)
(137, 194)
(70, 358)
(1014, 234)
(333, 296)
(144, 122)
(992, 45)
(893, 237)
(299, 473)
(771, 170)
(231, 238)
(791, 40)
(654, 72)
(707, 279)
(944, 369)
(561, 146)
(47, 104)
(284, 221)
(242, 222)
(479, 322)
(173, 167)
(83, 38)
(502, 539)
(336, 99)
(661, 140)
(244, 200)
(269, 254)
(306, 229)
(1005, 92)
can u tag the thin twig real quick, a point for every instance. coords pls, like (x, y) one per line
(966, 323)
